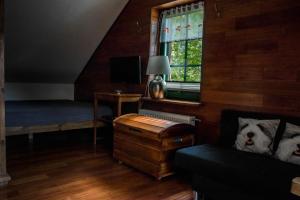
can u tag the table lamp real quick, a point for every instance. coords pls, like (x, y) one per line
(158, 65)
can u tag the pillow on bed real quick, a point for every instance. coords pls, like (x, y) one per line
(289, 146)
(256, 135)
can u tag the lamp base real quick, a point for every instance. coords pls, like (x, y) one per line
(157, 87)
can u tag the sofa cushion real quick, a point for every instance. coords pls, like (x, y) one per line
(229, 125)
(256, 136)
(289, 146)
(253, 172)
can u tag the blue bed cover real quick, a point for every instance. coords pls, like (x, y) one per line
(32, 113)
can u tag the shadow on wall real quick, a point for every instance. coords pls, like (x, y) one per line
(38, 91)
(51, 41)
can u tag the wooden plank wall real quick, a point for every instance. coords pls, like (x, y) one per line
(251, 57)
(3, 174)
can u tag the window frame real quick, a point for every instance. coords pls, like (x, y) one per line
(165, 50)
(155, 47)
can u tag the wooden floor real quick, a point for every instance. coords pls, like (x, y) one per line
(80, 171)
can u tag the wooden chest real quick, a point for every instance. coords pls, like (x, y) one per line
(149, 144)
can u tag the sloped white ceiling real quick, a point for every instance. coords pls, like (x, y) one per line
(50, 41)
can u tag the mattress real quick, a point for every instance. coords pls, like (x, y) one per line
(36, 113)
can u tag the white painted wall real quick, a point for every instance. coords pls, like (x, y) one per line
(38, 91)
(51, 41)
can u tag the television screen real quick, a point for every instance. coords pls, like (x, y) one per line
(125, 69)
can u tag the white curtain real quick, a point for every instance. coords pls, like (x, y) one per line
(182, 23)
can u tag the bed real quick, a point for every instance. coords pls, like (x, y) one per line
(29, 117)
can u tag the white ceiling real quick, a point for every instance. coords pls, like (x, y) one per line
(51, 41)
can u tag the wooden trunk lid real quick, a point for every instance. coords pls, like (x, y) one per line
(155, 128)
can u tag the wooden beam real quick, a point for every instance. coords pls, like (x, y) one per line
(4, 177)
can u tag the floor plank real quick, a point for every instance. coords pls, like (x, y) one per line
(82, 172)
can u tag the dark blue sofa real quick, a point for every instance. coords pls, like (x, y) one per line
(220, 172)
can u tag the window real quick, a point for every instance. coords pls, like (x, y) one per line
(181, 39)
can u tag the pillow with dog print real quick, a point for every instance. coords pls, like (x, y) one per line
(256, 136)
(289, 146)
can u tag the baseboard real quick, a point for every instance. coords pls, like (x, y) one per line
(4, 180)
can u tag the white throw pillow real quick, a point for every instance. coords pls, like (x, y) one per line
(289, 146)
(256, 135)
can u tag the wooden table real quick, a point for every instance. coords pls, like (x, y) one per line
(117, 98)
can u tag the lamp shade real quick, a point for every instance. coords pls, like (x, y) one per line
(158, 65)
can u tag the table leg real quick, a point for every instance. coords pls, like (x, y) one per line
(139, 105)
(119, 111)
(95, 135)
(95, 120)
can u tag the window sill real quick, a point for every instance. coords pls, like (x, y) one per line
(188, 87)
(173, 102)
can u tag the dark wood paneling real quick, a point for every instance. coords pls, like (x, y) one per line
(251, 58)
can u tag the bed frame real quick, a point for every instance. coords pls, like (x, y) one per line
(32, 117)
(20, 130)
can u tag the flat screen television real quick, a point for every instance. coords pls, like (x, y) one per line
(125, 69)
